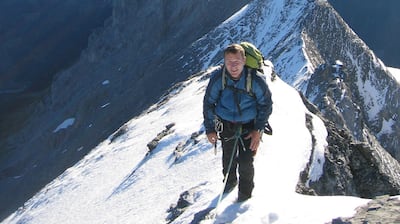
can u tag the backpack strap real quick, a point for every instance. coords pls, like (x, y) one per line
(248, 90)
(224, 78)
(249, 83)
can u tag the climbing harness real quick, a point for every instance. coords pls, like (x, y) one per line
(218, 127)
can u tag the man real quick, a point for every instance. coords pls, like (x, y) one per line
(239, 114)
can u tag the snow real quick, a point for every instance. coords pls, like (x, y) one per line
(65, 124)
(238, 15)
(372, 97)
(320, 133)
(117, 183)
(387, 127)
(105, 105)
(395, 73)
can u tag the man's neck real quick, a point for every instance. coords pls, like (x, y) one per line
(235, 78)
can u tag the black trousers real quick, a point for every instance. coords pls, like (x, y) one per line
(242, 163)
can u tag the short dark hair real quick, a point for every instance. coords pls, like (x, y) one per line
(234, 49)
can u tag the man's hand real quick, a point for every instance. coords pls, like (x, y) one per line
(255, 140)
(212, 137)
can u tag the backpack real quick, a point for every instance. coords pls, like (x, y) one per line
(254, 57)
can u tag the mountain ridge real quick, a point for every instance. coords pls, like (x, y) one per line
(368, 81)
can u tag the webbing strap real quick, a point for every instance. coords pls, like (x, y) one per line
(248, 82)
(237, 137)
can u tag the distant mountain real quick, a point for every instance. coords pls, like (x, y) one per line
(147, 47)
(38, 39)
(376, 22)
(41, 37)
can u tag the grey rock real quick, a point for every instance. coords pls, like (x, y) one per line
(362, 169)
(383, 209)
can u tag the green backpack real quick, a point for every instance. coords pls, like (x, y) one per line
(254, 57)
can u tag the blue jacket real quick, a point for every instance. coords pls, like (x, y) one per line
(233, 103)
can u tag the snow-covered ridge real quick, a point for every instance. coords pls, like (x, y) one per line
(119, 181)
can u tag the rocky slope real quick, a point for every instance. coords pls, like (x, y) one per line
(352, 168)
(383, 209)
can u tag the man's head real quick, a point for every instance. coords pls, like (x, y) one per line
(235, 60)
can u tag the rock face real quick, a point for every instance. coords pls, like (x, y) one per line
(353, 168)
(383, 209)
(126, 67)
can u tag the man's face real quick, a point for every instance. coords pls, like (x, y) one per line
(234, 63)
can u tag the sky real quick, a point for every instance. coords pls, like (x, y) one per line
(120, 182)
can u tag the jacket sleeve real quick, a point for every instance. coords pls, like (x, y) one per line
(264, 102)
(210, 100)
